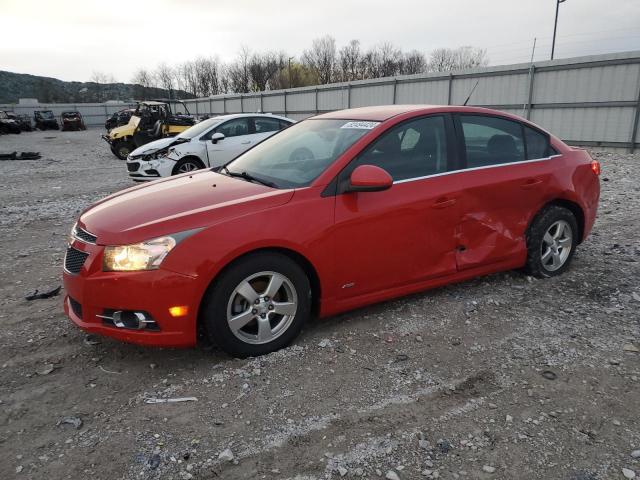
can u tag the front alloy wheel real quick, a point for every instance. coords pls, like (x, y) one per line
(262, 307)
(257, 305)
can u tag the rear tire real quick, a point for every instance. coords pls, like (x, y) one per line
(258, 305)
(552, 238)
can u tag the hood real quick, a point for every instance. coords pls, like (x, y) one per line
(126, 129)
(177, 204)
(153, 147)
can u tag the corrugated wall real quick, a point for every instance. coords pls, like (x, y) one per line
(593, 101)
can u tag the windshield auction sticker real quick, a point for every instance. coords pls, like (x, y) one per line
(361, 125)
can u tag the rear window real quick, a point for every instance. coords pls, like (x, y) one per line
(491, 140)
(537, 144)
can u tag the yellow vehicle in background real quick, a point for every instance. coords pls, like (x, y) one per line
(150, 121)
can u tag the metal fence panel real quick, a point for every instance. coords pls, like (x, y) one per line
(273, 103)
(494, 90)
(301, 101)
(366, 95)
(592, 100)
(434, 92)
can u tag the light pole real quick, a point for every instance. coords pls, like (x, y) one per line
(555, 27)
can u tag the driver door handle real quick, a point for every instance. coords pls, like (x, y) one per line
(444, 202)
(531, 183)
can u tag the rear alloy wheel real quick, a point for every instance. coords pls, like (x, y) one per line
(186, 165)
(551, 242)
(258, 305)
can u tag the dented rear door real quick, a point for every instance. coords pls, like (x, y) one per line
(500, 191)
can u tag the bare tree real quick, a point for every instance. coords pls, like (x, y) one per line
(239, 74)
(413, 62)
(321, 58)
(263, 67)
(166, 78)
(350, 61)
(448, 59)
(144, 82)
(101, 77)
(470, 57)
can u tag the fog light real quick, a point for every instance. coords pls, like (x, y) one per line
(179, 311)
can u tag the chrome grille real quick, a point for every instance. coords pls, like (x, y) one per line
(74, 260)
(84, 235)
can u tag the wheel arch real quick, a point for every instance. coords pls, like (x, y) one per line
(297, 257)
(188, 157)
(573, 207)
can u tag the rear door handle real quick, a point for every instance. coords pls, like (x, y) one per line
(444, 202)
(531, 183)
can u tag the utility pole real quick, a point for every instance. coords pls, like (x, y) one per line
(555, 27)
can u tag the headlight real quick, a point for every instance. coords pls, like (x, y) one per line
(140, 256)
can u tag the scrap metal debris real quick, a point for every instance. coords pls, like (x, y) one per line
(170, 400)
(20, 156)
(37, 295)
(75, 421)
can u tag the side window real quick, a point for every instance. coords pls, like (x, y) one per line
(234, 128)
(491, 140)
(537, 144)
(413, 149)
(264, 124)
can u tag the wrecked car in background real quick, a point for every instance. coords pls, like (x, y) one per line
(209, 143)
(45, 120)
(24, 121)
(119, 118)
(8, 124)
(72, 121)
(150, 121)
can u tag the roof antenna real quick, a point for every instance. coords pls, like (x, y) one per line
(470, 93)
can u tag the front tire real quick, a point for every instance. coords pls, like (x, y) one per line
(186, 165)
(552, 238)
(258, 305)
(122, 149)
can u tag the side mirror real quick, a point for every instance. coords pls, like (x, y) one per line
(216, 137)
(369, 178)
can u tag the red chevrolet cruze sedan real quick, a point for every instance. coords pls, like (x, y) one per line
(338, 211)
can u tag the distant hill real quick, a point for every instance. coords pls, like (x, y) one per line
(51, 90)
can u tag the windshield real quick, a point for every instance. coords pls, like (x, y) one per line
(199, 128)
(296, 156)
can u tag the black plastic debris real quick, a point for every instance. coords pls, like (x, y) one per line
(37, 295)
(20, 156)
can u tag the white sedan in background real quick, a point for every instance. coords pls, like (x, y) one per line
(210, 143)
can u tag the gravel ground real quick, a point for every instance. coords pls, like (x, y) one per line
(500, 377)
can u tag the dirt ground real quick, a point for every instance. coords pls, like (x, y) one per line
(502, 377)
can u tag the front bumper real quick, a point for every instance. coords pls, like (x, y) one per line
(141, 170)
(92, 294)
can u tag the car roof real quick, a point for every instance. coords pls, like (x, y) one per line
(385, 112)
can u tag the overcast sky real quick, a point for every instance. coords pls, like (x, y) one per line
(69, 39)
